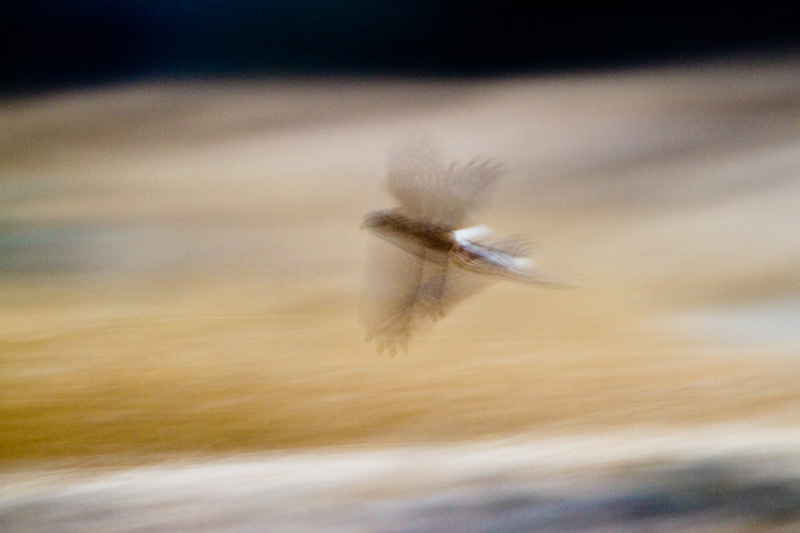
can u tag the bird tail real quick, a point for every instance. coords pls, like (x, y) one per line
(504, 259)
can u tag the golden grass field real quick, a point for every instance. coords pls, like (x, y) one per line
(181, 263)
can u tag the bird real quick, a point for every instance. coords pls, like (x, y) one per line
(434, 261)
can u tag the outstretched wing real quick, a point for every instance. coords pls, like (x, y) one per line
(430, 191)
(390, 295)
(406, 293)
(444, 293)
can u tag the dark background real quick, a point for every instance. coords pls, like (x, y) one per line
(57, 43)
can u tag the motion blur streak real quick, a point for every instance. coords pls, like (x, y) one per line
(602, 483)
(179, 274)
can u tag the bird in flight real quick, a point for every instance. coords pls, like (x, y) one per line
(434, 262)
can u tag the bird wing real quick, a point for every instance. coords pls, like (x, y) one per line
(405, 293)
(438, 296)
(428, 190)
(389, 294)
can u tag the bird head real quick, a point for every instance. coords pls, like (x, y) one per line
(377, 220)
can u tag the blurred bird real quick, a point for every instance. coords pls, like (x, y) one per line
(436, 265)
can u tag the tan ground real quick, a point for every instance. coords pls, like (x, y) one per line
(181, 262)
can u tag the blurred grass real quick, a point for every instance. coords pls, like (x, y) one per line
(136, 371)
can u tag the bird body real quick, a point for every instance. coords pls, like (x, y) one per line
(414, 235)
(439, 244)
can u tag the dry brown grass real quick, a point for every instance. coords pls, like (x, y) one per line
(91, 379)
